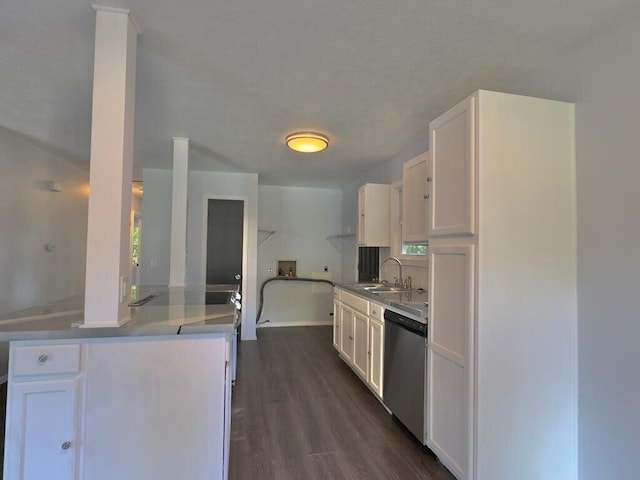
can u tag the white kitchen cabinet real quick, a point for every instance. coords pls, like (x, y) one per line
(449, 354)
(126, 407)
(415, 200)
(360, 343)
(346, 333)
(502, 370)
(42, 429)
(452, 171)
(43, 412)
(362, 337)
(373, 215)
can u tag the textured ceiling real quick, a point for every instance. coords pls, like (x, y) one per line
(236, 76)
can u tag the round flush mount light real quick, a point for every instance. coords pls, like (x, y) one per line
(307, 142)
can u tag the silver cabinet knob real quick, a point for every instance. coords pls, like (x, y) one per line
(429, 179)
(66, 445)
(426, 197)
(238, 276)
(43, 358)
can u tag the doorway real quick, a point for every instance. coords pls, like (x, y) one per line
(225, 234)
(136, 241)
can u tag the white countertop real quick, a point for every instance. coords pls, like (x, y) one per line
(174, 310)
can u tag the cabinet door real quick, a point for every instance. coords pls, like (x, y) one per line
(450, 357)
(346, 333)
(42, 430)
(337, 334)
(376, 355)
(453, 171)
(362, 240)
(360, 343)
(373, 215)
(415, 200)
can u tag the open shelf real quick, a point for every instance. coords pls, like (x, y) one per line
(267, 234)
(336, 240)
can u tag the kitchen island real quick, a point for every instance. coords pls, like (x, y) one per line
(148, 400)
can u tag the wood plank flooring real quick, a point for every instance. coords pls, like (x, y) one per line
(299, 412)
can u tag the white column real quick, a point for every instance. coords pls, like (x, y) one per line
(108, 260)
(178, 264)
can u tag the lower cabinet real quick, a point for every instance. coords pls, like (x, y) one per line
(359, 329)
(42, 441)
(346, 333)
(131, 407)
(360, 343)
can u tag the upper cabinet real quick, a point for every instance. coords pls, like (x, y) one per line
(373, 215)
(415, 199)
(452, 175)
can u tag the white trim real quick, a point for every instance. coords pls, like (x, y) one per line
(245, 239)
(302, 323)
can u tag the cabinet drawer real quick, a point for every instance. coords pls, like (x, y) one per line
(45, 359)
(376, 311)
(355, 302)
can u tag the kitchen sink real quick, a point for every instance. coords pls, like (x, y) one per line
(385, 288)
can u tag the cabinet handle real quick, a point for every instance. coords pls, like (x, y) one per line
(426, 197)
(350, 337)
(66, 445)
(428, 179)
(374, 312)
(43, 358)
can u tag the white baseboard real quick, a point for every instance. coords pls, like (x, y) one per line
(304, 323)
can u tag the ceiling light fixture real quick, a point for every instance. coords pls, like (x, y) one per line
(307, 142)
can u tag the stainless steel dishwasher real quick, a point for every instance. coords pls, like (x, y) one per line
(405, 370)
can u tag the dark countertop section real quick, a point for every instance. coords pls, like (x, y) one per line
(172, 310)
(411, 303)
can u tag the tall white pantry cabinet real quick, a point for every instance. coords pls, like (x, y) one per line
(502, 346)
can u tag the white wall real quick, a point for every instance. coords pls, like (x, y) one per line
(303, 218)
(602, 78)
(155, 251)
(31, 216)
(205, 185)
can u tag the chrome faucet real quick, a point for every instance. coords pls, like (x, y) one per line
(400, 281)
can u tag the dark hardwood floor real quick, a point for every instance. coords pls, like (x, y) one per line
(299, 412)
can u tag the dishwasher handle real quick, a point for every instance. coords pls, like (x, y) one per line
(407, 323)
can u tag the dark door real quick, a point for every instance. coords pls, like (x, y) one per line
(224, 241)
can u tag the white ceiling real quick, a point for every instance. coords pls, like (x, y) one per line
(236, 76)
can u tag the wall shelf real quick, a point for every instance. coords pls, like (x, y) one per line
(267, 234)
(336, 240)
